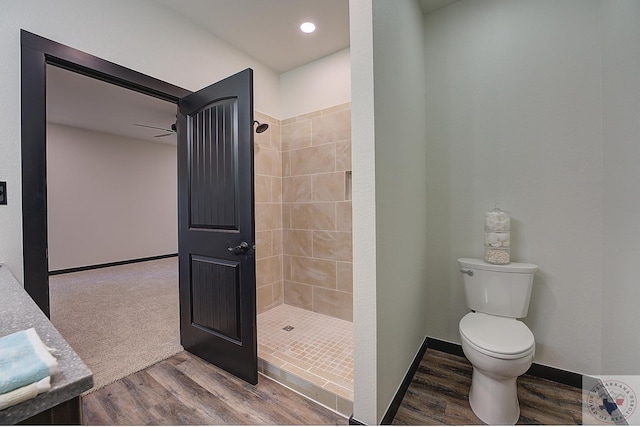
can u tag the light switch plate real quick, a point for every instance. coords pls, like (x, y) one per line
(3, 193)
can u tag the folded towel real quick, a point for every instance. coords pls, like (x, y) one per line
(24, 359)
(27, 392)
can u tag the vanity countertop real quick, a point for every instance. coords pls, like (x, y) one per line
(18, 312)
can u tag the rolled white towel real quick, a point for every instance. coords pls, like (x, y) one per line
(24, 393)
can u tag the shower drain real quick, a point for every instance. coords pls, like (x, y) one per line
(288, 328)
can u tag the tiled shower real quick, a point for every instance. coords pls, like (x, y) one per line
(304, 253)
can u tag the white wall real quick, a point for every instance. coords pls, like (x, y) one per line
(138, 34)
(317, 85)
(389, 197)
(621, 204)
(110, 198)
(533, 104)
(363, 194)
(401, 202)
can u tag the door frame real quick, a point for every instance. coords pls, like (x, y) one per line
(36, 53)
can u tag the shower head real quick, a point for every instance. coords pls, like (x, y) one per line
(261, 126)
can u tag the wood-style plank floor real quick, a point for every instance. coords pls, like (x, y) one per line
(185, 390)
(439, 395)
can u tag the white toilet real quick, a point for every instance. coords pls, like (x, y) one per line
(498, 345)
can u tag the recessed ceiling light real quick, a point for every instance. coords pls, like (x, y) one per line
(307, 27)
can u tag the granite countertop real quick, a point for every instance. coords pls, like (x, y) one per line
(18, 312)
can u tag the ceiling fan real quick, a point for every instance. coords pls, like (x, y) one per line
(171, 131)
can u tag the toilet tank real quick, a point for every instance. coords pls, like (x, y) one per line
(501, 290)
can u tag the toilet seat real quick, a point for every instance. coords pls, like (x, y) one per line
(499, 337)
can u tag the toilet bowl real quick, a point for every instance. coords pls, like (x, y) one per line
(498, 345)
(500, 350)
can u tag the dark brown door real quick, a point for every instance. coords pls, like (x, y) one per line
(216, 225)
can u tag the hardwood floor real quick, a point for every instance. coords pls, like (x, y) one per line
(439, 394)
(185, 390)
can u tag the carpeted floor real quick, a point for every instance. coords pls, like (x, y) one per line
(119, 319)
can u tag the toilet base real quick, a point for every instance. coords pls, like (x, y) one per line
(494, 400)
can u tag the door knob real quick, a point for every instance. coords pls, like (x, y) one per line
(242, 247)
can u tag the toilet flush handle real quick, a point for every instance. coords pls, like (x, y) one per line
(469, 272)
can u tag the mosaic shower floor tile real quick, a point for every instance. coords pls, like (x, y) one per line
(310, 345)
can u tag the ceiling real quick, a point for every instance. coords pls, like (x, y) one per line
(266, 30)
(87, 103)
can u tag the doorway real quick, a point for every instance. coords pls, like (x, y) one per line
(210, 265)
(112, 224)
(36, 53)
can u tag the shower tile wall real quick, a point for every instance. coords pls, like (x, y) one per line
(316, 211)
(268, 204)
(303, 212)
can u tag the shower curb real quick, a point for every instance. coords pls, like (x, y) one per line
(306, 388)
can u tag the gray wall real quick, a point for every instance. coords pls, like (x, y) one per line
(401, 179)
(110, 198)
(533, 104)
(530, 104)
(389, 198)
(621, 203)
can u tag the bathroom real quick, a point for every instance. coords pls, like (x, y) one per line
(530, 105)
(518, 86)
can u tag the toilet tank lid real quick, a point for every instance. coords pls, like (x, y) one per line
(514, 267)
